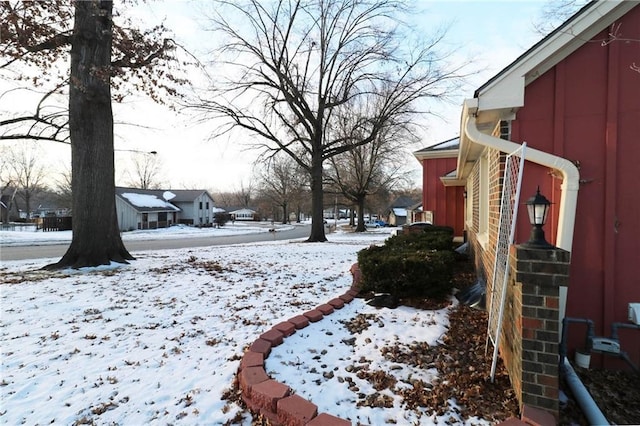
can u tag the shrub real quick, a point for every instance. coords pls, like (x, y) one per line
(221, 218)
(410, 265)
(432, 240)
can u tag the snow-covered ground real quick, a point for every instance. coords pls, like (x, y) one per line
(29, 235)
(158, 341)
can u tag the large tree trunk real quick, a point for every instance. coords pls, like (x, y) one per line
(360, 227)
(96, 238)
(285, 214)
(317, 202)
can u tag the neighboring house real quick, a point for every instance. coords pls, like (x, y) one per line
(398, 210)
(196, 206)
(415, 213)
(158, 208)
(574, 98)
(442, 193)
(144, 209)
(330, 213)
(51, 211)
(397, 216)
(243, 213)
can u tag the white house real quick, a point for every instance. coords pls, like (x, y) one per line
(243, 214)
(196, 206)
(143, 209)
(157, 208)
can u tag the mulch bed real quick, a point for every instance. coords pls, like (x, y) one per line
(616, 393)
(464, 371)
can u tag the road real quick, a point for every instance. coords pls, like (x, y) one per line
(58, 250)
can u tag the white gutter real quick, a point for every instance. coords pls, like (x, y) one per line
(570, 177)
(570, 182)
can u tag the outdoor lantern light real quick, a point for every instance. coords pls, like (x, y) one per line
(538, 208)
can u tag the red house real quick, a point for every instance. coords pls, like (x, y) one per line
(574, 98)
(442, 194)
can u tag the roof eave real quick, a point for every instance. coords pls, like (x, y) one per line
(429, 155)
(502, 96)
(506, 89)
(452, 181)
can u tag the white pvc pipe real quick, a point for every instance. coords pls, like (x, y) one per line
(582, 395)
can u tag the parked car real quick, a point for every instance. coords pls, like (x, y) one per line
(376, 223)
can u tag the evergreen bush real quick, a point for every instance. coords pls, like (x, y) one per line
(410, 265)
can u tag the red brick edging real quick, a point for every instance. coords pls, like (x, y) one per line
(275, 401)
(272, 399)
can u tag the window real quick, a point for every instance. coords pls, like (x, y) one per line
(207, 205)
(200, 205)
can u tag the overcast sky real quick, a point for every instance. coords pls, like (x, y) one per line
(491, 33)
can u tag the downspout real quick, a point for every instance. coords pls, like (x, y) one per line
(564, 235)
(570, 178)
(570, 183)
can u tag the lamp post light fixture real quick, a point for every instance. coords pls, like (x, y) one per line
(538, 209)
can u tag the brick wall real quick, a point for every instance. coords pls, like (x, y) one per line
(529, 342)
(530, 335)
(485, 256)
(496, 171)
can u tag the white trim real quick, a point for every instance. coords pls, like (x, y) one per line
(507, 90)
(451, 181)
(428, 155)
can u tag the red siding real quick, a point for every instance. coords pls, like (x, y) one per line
(587, 109)
(447, 203)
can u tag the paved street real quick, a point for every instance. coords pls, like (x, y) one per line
(57, 250)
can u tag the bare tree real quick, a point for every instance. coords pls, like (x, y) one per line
(226, 199)
(301, 200)
(370, 169)
(27, 172)
(62, 187)
(281, 183)
(147, 169)
(49, 121)
(243, 194)
(292, 64)
(41, 36)
(5, 176)
(555, 12)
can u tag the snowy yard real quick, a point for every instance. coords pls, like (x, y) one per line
(159, 340)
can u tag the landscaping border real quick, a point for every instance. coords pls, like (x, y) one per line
(274, 400)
